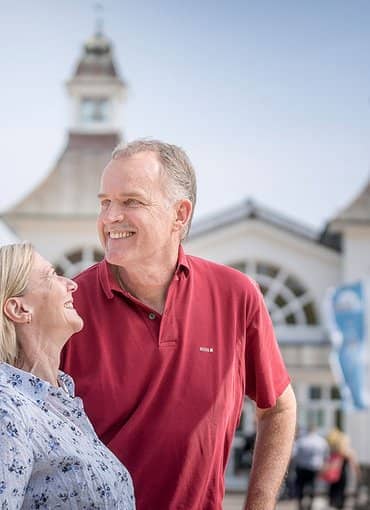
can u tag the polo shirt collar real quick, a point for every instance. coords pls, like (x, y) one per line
(182, 263)
(110, 284)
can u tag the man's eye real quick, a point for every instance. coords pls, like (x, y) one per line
(132, 202)
(104, 203)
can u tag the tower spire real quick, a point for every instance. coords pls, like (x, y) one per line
(99, 21)
(96, 89)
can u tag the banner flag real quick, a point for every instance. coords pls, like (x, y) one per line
(346, 317)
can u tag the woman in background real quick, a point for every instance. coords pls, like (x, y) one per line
(50, 454)
(340, 449)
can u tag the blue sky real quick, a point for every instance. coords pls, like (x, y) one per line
(271, 99)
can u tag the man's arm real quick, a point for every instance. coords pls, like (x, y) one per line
(275, 436)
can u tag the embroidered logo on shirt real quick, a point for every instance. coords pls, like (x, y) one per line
(206, 349)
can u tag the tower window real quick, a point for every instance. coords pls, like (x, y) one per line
(94, 109)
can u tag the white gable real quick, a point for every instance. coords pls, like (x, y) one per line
(7, 236)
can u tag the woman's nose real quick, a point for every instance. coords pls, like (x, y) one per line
(72, 285)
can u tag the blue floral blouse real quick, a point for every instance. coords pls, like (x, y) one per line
(50, 456)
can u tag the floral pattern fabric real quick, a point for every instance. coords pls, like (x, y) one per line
(50, 456)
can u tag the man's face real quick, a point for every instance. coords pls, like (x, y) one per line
(136, 220)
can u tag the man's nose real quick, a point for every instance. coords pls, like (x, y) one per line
(113, 214)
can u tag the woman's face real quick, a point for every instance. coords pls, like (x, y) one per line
(48, 298)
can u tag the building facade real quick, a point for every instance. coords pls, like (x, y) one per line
(59, 215)
(295, 267)
(293, 264)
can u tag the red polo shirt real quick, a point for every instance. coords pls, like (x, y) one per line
(165, 393)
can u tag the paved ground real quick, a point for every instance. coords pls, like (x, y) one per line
(235, 502)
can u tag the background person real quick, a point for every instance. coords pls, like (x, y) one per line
(309, 453)
(340, 450)
(50, 454)
(173, 343)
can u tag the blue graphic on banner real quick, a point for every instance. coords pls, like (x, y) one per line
(347, 312)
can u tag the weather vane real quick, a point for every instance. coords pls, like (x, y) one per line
(99, 11)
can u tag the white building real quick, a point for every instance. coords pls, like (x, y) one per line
(7, 236)
(59, 215)
(293, 264)
(294, 267)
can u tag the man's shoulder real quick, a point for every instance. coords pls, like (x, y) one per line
(199, 263)
(220, 272)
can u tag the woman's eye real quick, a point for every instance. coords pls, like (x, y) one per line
(51, 275)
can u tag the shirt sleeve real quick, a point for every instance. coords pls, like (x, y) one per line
(266, 374)
(16, 458)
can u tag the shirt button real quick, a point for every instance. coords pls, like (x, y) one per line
(152, 316)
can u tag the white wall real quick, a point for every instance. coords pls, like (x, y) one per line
(317, 267)
(356, 253)
(7, 236)
(52, 238)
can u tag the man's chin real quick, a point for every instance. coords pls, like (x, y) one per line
(114, 258)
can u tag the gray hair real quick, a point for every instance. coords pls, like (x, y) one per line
(15, 267)
(175, 164)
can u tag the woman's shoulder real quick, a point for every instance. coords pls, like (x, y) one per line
(13, 403)
(11, 400)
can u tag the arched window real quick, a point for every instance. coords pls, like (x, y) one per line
(287, 299)
(74, 262)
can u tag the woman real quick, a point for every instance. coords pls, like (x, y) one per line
(50, 454)
(345, 458)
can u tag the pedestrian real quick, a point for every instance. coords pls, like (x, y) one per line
(172, 343)
(309, 452)
(336, 469)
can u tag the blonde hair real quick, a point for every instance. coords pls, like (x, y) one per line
(175, 164)
(15, 266)
(338, 441)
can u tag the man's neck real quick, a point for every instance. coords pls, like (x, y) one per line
(150, 284)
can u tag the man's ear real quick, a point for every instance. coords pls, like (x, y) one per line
(183, 213)
(15, 310)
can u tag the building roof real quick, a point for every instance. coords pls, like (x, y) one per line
(250, 209)
(71, 187)
(357, 211)
(96, 59)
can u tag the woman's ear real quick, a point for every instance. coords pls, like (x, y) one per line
(16, 312)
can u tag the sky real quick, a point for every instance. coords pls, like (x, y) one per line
(270, 99)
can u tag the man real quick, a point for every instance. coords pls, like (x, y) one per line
(172, 343)
(310, 451)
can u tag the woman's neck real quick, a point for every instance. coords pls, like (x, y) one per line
(41, 364)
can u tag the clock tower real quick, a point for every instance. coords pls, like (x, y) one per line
(95, 90)
(59, 215)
